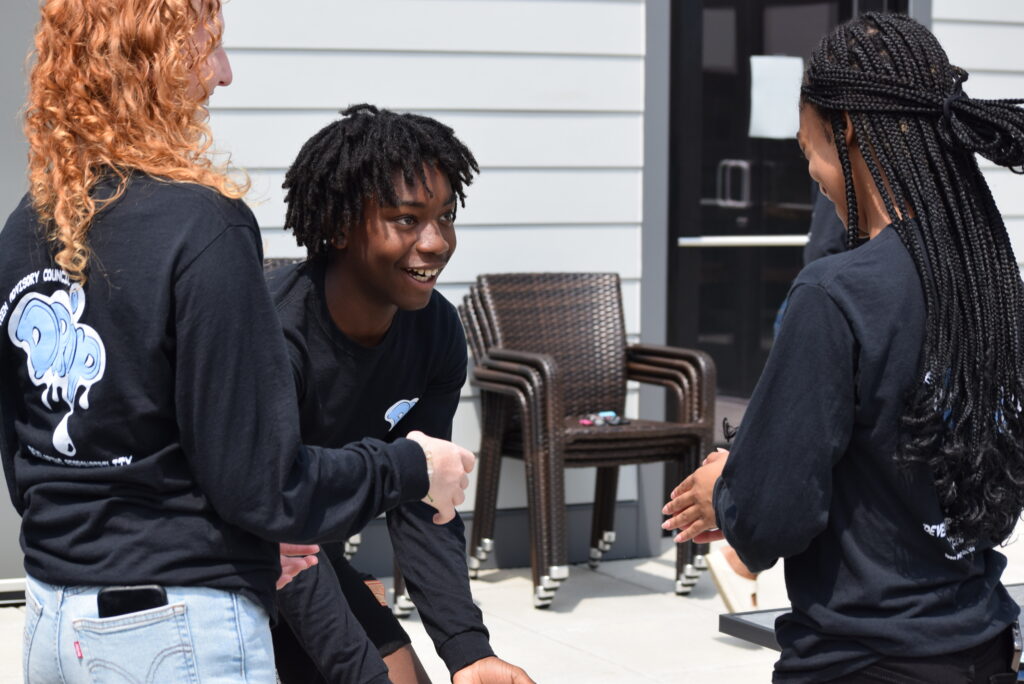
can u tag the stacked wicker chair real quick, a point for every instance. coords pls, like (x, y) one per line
(550, 348)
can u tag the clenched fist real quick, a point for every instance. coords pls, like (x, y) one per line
(448, 467)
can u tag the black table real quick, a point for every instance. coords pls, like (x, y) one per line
(758, 626)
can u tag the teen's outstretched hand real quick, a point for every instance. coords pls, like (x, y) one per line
(448, 466)
(492, 670)
(691, 509)
(294, 559)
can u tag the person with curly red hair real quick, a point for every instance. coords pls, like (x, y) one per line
(148, 425)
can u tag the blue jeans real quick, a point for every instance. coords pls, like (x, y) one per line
(202, 636)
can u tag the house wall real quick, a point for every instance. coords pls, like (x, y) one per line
(16, 29)
(982, 37)
(549, 95)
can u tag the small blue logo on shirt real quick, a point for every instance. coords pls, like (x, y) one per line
(397, 411)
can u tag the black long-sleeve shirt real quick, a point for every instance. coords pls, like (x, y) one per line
(411, 380)
(149, 424)
(812, 478)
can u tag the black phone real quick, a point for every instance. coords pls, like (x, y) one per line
(114, 601)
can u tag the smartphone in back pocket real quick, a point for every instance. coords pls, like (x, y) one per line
(114, 601)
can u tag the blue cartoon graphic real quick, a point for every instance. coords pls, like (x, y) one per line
(398, 410)
(64, 356)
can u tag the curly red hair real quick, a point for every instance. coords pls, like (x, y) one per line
(113, 90)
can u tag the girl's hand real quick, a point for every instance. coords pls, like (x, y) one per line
(691, 509)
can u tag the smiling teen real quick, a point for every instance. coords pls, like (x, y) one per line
(376, 352)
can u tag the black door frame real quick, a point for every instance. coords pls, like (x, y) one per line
(685, 152)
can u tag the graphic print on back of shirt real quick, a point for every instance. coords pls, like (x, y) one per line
(397, 411)
(63, 355)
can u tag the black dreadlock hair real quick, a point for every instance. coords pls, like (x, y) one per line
(919, 131)
(355, 159)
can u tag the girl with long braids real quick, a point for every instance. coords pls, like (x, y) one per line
(881, 455)
(148, 425)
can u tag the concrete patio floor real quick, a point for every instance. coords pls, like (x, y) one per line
(620, 624)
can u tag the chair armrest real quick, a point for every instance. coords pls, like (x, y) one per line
(673, 380)
(551, 411)
(533, 384)
(517, 388)
(705, 378)
(545, 365)
(699, 358)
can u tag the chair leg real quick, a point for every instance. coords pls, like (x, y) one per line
(701, 551)
(402, 606)
(602, 528)
(687, 572)
(543, 588)
(494, 410)
(673, 476)
(553, 491)
(545, 484)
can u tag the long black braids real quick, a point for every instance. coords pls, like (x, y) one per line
(355, 159)
(918, 133)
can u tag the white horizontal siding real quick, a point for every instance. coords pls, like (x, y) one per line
(511, 197)
(496, 249)
(992, 85)
(516, 26)
(1008, 190)
(999, 11)
(1015, 227)
(547, 93)
(982, 47)
(984, 37)
(498, 139)
(331, 80)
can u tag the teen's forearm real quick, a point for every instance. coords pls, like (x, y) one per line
(433, 562)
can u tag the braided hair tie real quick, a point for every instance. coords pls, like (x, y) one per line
(947, 104)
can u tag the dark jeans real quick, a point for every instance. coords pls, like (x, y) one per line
(987, 663)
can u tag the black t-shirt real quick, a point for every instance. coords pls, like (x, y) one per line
(411, 380)
(811, 478)
(148, 426)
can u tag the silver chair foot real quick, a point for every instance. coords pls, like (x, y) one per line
(595, 558)
(606, 541)
(548, 584)
(542, 597)
(481, 552)
(687, 580)
(403, 606)
(352, 546)
(474, 567)
(700, 562)
(559, 573)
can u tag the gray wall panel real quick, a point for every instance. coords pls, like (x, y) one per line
(16, 30)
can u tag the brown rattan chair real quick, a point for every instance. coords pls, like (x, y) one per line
(549, 349)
